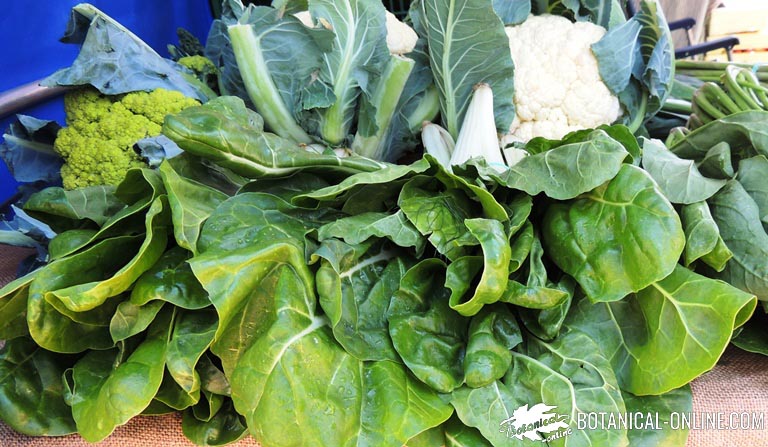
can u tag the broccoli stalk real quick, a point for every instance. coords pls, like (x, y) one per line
(368, 142)
(261, 89)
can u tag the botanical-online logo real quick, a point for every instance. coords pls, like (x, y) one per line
(530, 423)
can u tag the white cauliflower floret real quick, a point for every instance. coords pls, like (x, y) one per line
(401, 38)
(558, 88)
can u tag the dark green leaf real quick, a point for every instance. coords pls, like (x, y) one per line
(31, 391)
(224, 427)
(617, 239)
(666, 335)
(192, 335)
(702, 237)
(493, 333)
(170, 280)
(679, 179)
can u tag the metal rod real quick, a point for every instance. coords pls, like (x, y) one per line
(25, 96)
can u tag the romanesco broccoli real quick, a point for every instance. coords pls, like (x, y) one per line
(97, 144)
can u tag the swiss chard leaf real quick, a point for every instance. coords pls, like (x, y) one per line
(361, 227)
(170, 280)
(678, 401)
(744, 132)
(752, 174)
(439, 215)
(492, 335)
(679, 179)
(617, 239)
(702, 237)
(96, 381)
(495, 261)
(31, 391)
(191, 204)
(667, 334)
(225, 427)
(355, 285)
(738, 218)
(566, 171)
(192, 335)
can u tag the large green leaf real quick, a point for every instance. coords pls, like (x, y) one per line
(495, 269)
(738, 218)
(439, 215)
(191, 203)
(131, 319)
(289, 377)
(566, 171)
(216, 134)
(617, 239)
(170, 280)
(54, 330)
(355, 285)
(377, 186)
(743, 130)
(670, 431)
(106, 392)
(667, 334)
(86, 296)
(492, 335)
(13, 306)
(31, 391)
(242, 284)
(678, 178)
(432, 344)
(538, 292)
(577, 357)
(360, 227)
(61, 208)
(752, 174)
(252, 218)
(225, 427)
(702, 237)
(467, 45)
(192, 335)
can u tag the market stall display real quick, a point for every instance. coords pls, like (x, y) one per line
(285, 254)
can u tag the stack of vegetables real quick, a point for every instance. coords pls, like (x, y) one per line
(289, 264)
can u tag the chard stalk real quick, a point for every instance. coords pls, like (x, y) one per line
(478, 137)
(385, 99)
(260, 86)
(438, 143)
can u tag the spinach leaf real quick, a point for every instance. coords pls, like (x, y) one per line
(169, 280)
(744, 132)
(358, 228)
(224, 427)
(678, 401)
(192, 335)
(271, 383)
(752, 174)
(617, 239)
(439, 215)
(493, 333)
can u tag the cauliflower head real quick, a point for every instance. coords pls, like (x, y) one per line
(97, 143)
(558, 88)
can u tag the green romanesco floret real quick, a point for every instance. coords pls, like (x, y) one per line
(198, 64)
(97, 143)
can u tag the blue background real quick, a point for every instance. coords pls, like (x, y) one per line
(30, 32)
